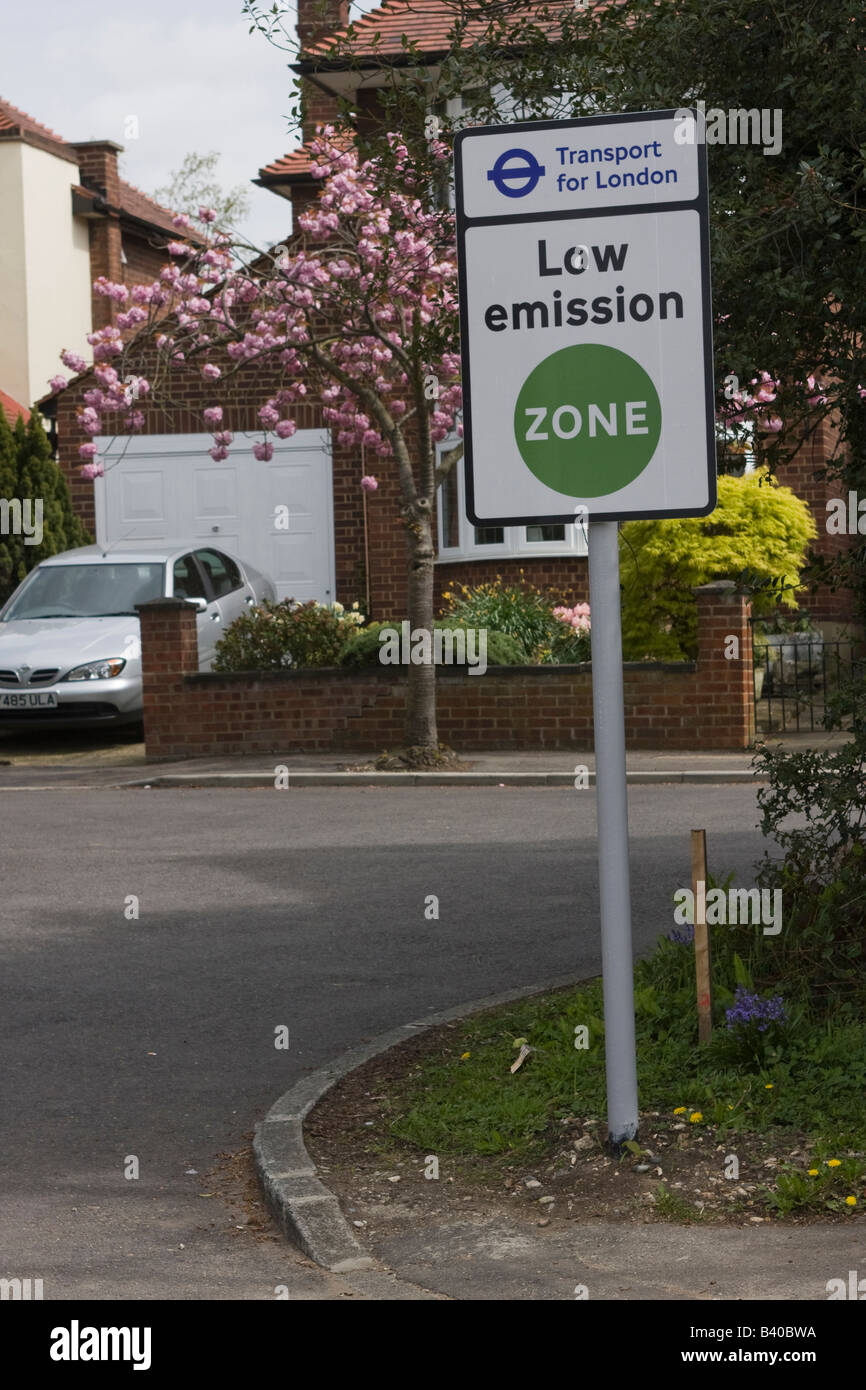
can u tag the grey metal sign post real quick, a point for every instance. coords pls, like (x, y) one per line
(614, 884)
(583, 257)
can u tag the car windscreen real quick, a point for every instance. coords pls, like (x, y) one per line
(87, 591)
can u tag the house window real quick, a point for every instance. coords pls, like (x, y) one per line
(460, 539)
(545, 533)
(489, 535)
(449, 523)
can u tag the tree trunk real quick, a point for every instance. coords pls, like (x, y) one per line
(421, 731)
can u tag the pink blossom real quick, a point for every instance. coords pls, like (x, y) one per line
(72, 360)
(111, 289)
(177, 248)
(576, 618)
(211, 372)
(88, 419)
(284, 429)
(87, 451)
(132, 317)
(263, 452)
(58, 383)
(206, 215)
(92, 470)
(269, 416)
(218, 453)
(224, 437)
(213, 415)
(181, 220)
(369, 483)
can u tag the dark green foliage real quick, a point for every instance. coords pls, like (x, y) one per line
(28, 473)
(814, 807)
(9, 544)
(277, 636)
(364, 648)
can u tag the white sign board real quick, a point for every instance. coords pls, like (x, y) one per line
(583, 253)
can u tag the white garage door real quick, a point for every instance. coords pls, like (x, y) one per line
(277, 515)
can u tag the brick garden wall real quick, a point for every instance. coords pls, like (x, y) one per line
(707, 704)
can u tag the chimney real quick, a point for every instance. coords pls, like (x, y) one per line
(97, 162)
(317, 18)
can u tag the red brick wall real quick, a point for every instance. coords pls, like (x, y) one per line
(812, 456)
(144, 261)
(703, 705)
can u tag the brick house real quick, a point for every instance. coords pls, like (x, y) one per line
(343, 547)
(66, 217)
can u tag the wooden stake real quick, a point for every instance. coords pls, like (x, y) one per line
(703, 978)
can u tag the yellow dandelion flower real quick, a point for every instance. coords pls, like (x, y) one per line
(680, 1110)
(695, 1117)
(769, 1086)
(464, 1055)
(850, 1201)
(834, 1162)
(813, 1172)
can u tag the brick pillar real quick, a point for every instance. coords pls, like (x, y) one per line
(799, 474)
(97, 161)
(169, 650)
(725, 683)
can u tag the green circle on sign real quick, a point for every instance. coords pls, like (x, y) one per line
(587, 420)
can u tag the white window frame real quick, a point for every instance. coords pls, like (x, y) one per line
(514, 544)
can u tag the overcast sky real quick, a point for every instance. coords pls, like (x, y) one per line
(187, 69)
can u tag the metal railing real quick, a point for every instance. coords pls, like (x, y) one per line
(801, 680)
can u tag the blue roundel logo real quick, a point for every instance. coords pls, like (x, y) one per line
(515, 173)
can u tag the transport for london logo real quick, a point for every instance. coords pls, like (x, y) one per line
(515, 173)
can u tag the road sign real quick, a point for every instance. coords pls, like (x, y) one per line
(587, 374)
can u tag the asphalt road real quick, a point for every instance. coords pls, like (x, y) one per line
(153, 1038)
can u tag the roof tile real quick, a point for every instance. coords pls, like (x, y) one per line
(12, 409)
(427, 22)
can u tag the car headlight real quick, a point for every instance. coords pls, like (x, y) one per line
(97, 670)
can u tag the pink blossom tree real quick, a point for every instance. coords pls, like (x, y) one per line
(360, 310)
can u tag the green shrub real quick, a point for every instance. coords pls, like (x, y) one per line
(520, 610)
(758, 534)
(275, 636)
(813, 809)
(27, 470)
(363, 647)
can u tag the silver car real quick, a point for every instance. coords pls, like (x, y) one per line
(70, 642)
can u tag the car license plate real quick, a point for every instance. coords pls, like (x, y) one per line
(33, 699)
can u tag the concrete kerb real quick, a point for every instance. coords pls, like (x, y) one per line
(306, 1209)
(705, 777)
